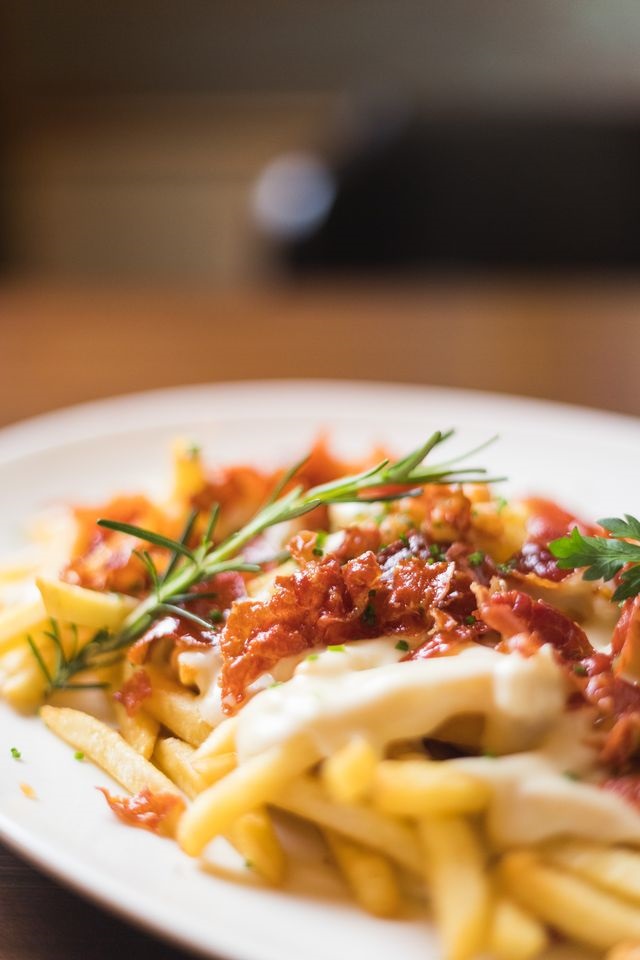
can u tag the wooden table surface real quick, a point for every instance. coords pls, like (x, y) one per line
(578, 342)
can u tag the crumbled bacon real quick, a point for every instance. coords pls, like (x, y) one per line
(627, 787)
(104, 559)
(547, 521)
(134, 691)
(625, 643)
(227, 587)
(150, 811)
(516, 616)
(182, 632)
(327, 603)
(515, 613)
(538, 559)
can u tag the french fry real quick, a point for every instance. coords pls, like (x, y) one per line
(305, 798)
(70, 603)
(254, 838)
(568, 903)
(417, 788)
(212, 769)
(24, 691)
(613, 868)
(515, 934)
(348, 773)
(140, 730)
(22, 681)
(370, 876)
(18, 622)
(173, 757)
(107, 749)
(456, 873)
(222, 739)
(176, 708)
(625, 951)
(253, 783)
(188, 470)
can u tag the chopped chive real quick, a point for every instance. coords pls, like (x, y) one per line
(78, 755)
(471, 620)
(500, 504)
(15, 753)
(337, 648)
(476, 558)
(216, 616)
(402, 645)
(318, 552)
(404, 539)
(369, 615)
(580, 669)
(506, 568)
(312, 656)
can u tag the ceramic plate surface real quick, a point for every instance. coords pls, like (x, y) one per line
(586, 459)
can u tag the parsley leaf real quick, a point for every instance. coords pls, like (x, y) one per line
(604, 557)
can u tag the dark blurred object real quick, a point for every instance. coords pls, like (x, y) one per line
(553, 193)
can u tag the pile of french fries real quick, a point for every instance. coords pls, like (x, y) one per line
(387, 822)
(392, 824)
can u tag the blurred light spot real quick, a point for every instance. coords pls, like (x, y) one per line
(293, 195)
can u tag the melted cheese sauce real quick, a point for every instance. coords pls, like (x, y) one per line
(540, 778)
(535, 795)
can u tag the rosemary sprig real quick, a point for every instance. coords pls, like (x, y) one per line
(189, 566)
(604, 557)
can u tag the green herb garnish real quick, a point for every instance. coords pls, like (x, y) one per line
(476, 558)
(337, 648)
(604, 557)
(436, 553)
(15, 753)
(78, 755)
(369, 615)
(402, 645)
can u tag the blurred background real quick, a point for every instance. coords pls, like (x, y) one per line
(434, 191)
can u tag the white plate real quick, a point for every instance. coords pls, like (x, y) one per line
(589, 460)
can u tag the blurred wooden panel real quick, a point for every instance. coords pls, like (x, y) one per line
(143, 190)
(577, 344)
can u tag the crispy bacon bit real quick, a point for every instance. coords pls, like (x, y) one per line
(627, 787)
(183, 633)
(515, 612)
(150, 811)
(537, 559)
(328, 603)
(227, 587)
(133, 691)
(625, 642)
(104, 559)
(547, 521)
(358, 540)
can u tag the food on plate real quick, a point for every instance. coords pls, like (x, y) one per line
(443, 683)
